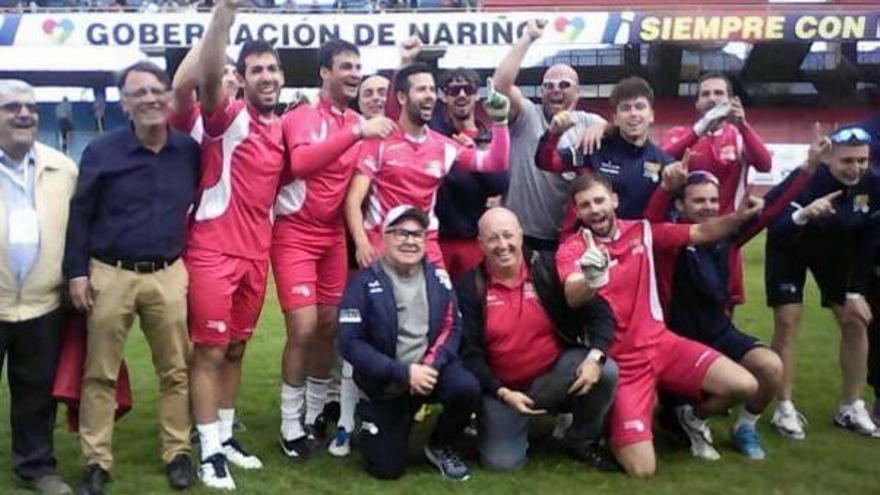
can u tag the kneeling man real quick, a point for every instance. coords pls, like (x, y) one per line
(530, 352)
(400, 330)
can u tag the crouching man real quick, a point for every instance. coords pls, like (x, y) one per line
(530, 352)
(400, 330)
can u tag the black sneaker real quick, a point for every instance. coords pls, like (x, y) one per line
(94, 480)
(450, 465)
(298, 448)
(594, 454)
(180, 472)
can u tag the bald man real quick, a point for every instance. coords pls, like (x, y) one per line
(538, 198)
(371, 96)
(530, 352)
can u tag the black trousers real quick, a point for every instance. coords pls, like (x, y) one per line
(386, 423)
(31, 349)
(874, 338)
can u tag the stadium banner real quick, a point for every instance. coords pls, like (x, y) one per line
(565, 29)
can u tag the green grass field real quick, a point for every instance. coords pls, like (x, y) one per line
(829, 461)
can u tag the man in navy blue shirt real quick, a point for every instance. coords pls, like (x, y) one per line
(823, 231)
(625, 156)
(125, 235)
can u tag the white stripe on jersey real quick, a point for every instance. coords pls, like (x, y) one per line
(215, 199)
(653, 293)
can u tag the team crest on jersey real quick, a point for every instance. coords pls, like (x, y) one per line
(861, 203)
(636, 246)
(443, 277)
(652, 171)
(349, 315)
(529, 291)
(434, 168)
(728, 153)
(375, 287)
(493, 300)
(608, 167)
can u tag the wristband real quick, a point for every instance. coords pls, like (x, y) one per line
(853, 296)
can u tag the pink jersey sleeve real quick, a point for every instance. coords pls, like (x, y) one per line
(186, 120)
(495, 159)
(567, 256)
(754, 150)
(222, 116)
(367, 159)
(670, 235)
(301, 129)
(676, 140)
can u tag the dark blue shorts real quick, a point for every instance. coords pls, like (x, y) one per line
(735, 344)
(785, 273)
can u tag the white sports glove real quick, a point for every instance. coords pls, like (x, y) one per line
(717, 113)
(594, 263)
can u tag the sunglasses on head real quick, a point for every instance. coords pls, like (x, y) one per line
(14, 107)
(456, 89)
(551, 84)
(851, 135)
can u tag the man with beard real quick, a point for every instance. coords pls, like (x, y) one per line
(823, 231)
(409, 166)
(308, 243)
(614, 258)
(627, 157)
(722, 143)
(228, 246)
(537, 197)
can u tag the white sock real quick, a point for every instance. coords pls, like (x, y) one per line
(227, 418)
(292, 400)
(209, 438)
(746, 418)
(348, 398)
(785, 406)
(316, 393)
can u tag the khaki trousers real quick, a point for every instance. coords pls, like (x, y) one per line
(159, 301)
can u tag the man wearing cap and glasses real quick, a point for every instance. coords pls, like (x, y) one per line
(36, 183)
(125, 236)
(400, 330)
(823, 231)
(693, 283)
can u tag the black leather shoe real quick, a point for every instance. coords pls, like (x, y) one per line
(180, 472)
(94, 480)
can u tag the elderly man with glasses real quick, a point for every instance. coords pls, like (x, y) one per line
(125, 236)
(36, 183)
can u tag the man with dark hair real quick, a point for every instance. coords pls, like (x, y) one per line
(723, 143)
(409, 166)
(371, 96)
(626, 156)
(125, 237)
(186, 113)
(36, 183)
(308, 243)
(615, 259)
(400, 329)
(463, 196)
(537, 197)
(227, 251)
(693, 286)
(823, 231)
(530, 352)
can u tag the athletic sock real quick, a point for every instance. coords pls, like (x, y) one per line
(348, 398)
(786, 406)
(209, 439)
(227, 418)
(292, 399)
(316, 393)
(746, 418)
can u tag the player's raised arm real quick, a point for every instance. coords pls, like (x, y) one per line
(212, 54)
(506, 72)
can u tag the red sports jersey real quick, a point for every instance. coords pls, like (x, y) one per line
(519, 337)
(632, 290)
(242, 160)
(727, 153)
(189, 122)
(319, 140)
(406, 170)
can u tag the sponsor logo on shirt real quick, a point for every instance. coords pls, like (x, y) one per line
(375, 287)
(607, 167)
(349, 315)
(652, 171)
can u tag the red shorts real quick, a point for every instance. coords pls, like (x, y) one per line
(309, 270)
(225, 296)
(678, 365)
(433, 252)
(460, 255)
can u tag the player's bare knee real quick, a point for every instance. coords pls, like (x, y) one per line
(235, 351)
(641, 470)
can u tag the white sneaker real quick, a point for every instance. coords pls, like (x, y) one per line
(698, 432)
(563, 423)
(789, 422)
(239, 457)
(340, 446)
(214, 473)
(855, 417)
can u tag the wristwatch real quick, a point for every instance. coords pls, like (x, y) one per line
(597, 355)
